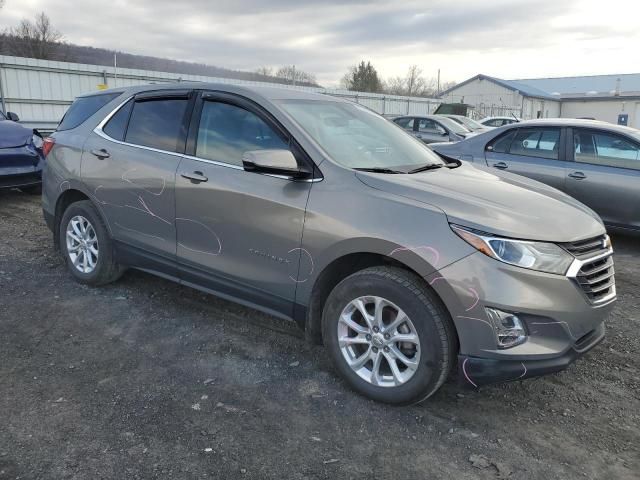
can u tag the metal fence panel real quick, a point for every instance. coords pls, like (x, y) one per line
(40, 91)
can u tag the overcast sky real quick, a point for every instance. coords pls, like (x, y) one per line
(508, 39)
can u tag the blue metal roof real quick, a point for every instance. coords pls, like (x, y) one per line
(602, 84)
(561, 87)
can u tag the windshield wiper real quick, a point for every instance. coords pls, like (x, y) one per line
(429, 166)
(377, 170)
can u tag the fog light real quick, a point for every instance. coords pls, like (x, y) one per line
(508, 327)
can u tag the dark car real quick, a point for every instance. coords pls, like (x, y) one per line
(433, 128)
(596, 162)
(21, 156)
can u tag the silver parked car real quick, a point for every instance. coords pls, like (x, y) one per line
(433, 128)
(469, 123)
(596, 162)
(318, 210)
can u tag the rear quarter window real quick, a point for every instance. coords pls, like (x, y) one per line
(82, 108)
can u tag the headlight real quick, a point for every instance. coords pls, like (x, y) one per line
(540, 256)
(37, 141)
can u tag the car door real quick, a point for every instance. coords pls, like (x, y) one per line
(129, 165)
(430, 131)
(238, 232)
(535, 152)
(605, 175)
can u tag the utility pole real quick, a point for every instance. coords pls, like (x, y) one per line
(294, 76)
(4, 106)
(115, 68)
(438, 89)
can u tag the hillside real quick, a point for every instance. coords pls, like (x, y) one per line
(67, 52)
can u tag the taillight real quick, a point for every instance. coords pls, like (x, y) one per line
(47, 145)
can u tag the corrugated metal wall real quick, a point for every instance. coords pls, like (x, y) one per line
(40, 91)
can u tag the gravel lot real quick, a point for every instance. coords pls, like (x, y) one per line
(147, 379)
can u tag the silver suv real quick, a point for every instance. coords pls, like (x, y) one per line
(403, 263)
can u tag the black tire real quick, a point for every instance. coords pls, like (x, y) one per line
(33, 189)
(106, 269)
(432, 323)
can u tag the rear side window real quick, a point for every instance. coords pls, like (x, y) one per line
(536, 142)
(227, 131)
(82, 108)
(605, 149)
(158, 123)
(117, 124)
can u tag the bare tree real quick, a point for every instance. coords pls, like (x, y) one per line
(266, 71)
(295, 75)
(413, 84)
(35, 39)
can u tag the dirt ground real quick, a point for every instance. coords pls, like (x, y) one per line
(147, 379)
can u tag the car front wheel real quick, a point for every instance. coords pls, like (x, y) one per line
(388, 335)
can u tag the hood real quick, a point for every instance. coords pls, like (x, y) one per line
(503, 204)
(13, 134)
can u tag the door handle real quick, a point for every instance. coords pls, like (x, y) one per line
(195, 177)
(418, 135)
(578, 175)
(101, 154)
(500, 165)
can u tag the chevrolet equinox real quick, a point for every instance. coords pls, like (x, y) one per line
(404, 264)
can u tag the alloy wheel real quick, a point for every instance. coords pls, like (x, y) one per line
(82, 244)
(378, 341)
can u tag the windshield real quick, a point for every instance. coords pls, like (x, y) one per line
(454, 126)
(469, 123)
(356, 137)
(2, 116)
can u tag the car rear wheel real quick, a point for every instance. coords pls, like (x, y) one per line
(86, 245)
(388, 335)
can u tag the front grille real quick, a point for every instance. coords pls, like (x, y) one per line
(593, 268)
(588, 247)
(596, 278)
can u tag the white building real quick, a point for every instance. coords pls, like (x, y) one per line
(612, 98)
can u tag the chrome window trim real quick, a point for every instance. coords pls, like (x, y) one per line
(576, 266)
(100, 132)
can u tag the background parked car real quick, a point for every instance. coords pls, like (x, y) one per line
(21, 158)
(469, 123)
(433, 128)
(596, 162)
(499, 121)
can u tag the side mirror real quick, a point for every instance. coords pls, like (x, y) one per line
(278, 162)
(444, 133)
(13, 117)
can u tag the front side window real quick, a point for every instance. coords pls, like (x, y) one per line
(605, 149)
(355, 137)
(406, 122)
(158, 123)
(82, 108)
(426, 125)
(503, 142)
(227, 131)
(536, 142)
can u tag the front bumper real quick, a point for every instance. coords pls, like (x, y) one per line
(475, 371)
(561, 323)
(20, 167)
